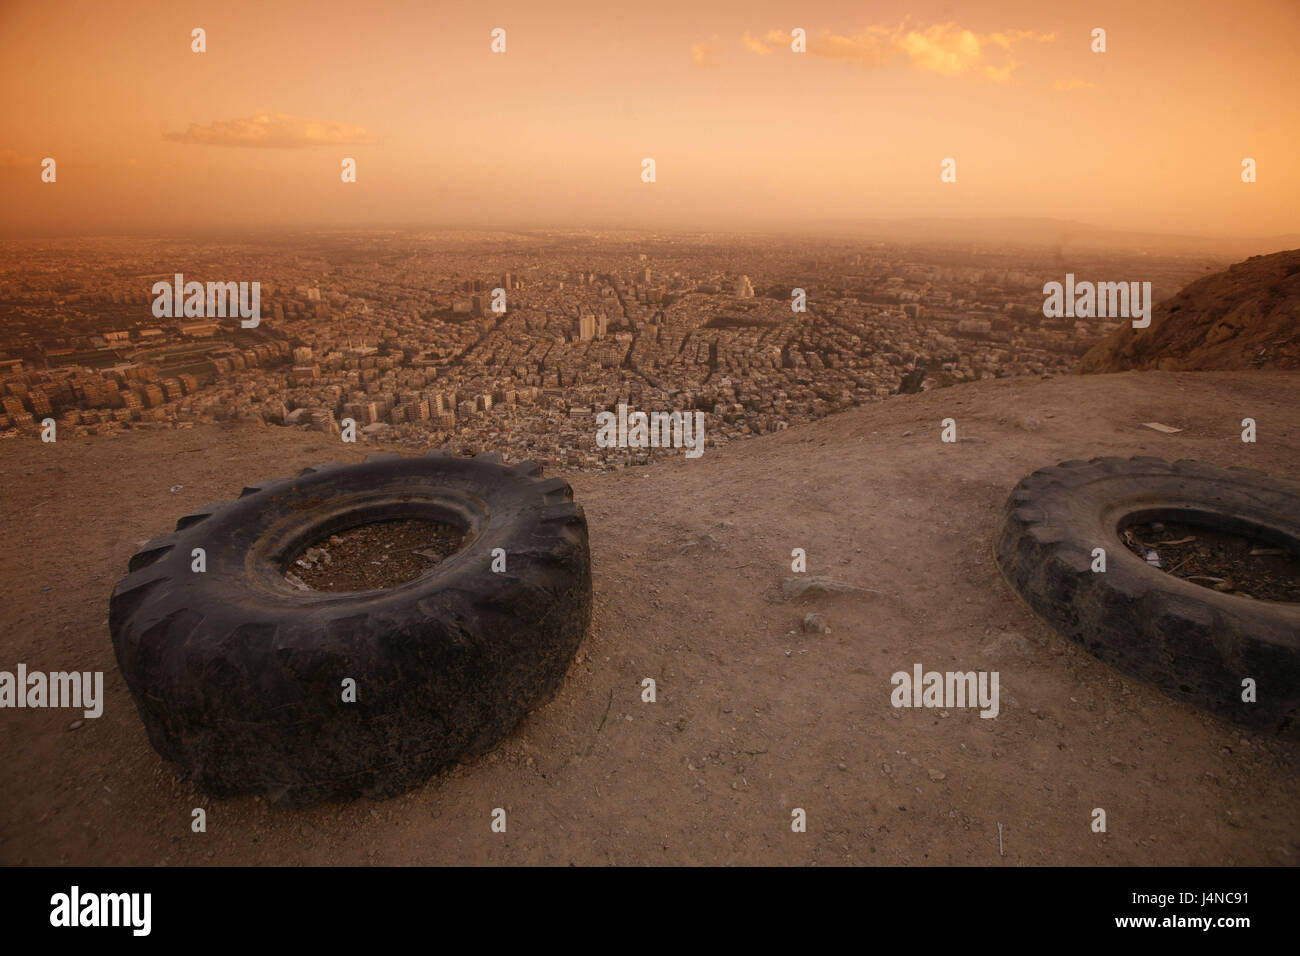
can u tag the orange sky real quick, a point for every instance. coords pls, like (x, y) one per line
(1148, 136)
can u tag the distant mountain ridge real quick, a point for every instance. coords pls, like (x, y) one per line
(1068, 235)
(1245, 317)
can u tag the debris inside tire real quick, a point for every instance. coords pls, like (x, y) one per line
(1225, 562)
(377, 555)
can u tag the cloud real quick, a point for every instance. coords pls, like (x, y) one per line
(273, 130)
(869, 49)
(1064, 86)
(708, 55)
(755, 45)
(943, 48)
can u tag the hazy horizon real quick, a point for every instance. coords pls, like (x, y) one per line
(1029, 234)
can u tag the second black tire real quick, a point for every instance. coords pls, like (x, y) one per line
(1196, 644)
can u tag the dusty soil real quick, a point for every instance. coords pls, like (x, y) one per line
(1214, 559)
(754, 717)
(377, 555)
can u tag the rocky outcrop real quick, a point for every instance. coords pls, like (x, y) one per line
(1246, 317)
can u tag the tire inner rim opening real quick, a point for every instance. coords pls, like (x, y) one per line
(374, 548)
(1221, 552)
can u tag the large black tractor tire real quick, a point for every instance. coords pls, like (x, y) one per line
(1195, 643)
(239, 675)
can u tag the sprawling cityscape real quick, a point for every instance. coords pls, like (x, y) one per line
(515, 342)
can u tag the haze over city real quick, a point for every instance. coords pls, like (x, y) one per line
(1148, 136)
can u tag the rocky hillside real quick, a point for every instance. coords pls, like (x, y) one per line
(1246, 317)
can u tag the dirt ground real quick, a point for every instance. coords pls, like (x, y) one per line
(754, 718)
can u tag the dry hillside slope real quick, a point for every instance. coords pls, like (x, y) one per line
(1246, 317)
